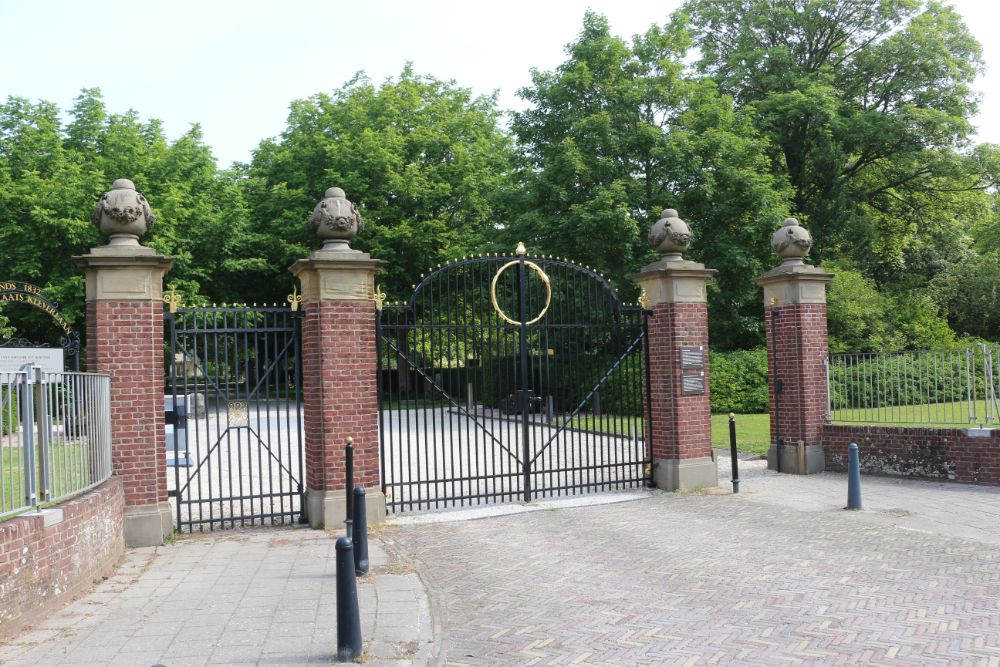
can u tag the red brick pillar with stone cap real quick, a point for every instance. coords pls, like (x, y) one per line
(339, 370)
(124, 312)
(674, 290)
(795, 322)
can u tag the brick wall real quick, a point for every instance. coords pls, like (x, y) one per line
(340, 392)
(41, 566)
(801, 348)
(125, 341)
(682, 426)
(926, 453)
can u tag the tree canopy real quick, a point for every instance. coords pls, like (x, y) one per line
(867, 104)
(852, 115)
(617, 133)
(425, 162)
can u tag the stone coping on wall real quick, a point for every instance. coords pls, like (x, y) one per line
(48, 557)
(967, 455)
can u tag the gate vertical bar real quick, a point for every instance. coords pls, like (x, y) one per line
(171, 319)
(381, 397)
(647, 437)
(522, 395)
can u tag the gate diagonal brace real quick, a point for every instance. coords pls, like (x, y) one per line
(439, 388)
(280, 356)
(215, 446)
(576, 411)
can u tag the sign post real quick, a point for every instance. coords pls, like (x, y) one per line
(17, 352)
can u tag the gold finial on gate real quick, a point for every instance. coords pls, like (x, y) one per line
(172, 299)
(294, 299)
(521, 250)
(644, 299)
(774, 301)
(378, 296)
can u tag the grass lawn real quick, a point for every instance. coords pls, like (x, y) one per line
(753, 432)
(954, 413)
(70, 471)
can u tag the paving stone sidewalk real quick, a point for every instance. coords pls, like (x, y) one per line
(778, 574)
(246, 597)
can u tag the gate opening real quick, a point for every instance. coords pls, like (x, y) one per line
(508, 379)
(234, 391)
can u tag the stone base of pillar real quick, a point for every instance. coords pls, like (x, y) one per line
(799, 459)
(148, 525)
(685, 474)
(328, 509)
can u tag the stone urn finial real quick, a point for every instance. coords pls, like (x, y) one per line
(792, 242)
(123, 214)
(336, 220)
(670, 235)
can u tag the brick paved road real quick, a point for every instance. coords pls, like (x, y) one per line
(705, 579)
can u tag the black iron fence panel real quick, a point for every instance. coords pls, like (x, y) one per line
(234, 416)
(510, 379)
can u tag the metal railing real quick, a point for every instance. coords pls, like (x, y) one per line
(55, 436)
(933, 387)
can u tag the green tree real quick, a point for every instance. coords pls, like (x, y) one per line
(51, 177)
(423, 159)
(970, 291)
(867, 105)
(861, 318)
(615, 134)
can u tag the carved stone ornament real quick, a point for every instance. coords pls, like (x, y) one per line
(792, 242)
(670, 235)
(336, 220)
(122, 214)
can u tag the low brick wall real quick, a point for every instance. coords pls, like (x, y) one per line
(971, 456)
(42, 565)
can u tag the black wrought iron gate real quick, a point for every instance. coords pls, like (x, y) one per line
(234, 416)
(510, 378)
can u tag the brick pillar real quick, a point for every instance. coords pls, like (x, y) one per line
(339, 381)
(795, 322)
(678, 348)
(125, 341)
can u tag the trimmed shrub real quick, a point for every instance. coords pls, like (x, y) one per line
(739, 381)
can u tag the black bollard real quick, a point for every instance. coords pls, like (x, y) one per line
(732, 452)
(360, 533)
(853, 478)
(349, 484)
(348, 616)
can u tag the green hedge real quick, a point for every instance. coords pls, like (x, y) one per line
(739, 381)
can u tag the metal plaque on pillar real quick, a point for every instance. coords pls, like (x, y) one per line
(692, 370)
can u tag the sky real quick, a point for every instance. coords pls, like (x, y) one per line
(234, 67)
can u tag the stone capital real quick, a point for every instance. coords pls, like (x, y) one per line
(794, 284)
(336, 276)
(124, 273)
(674, 281)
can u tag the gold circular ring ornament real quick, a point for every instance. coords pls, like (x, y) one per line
(541, 274)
